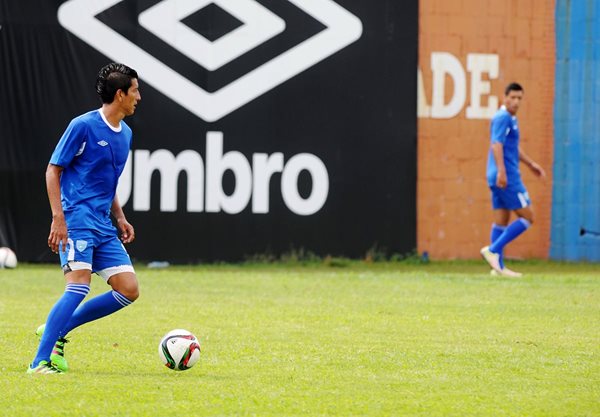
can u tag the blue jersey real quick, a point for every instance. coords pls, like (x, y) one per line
(505, 130)
(93, 155)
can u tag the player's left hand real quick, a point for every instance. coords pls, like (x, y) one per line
(126, 229)
(537, 170)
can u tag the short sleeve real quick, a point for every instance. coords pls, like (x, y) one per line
(500, 128)
(70, 144)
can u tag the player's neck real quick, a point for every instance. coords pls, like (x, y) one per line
(513, 112)
(112, 115)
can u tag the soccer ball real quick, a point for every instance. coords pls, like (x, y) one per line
(8, 259)
(179, 350)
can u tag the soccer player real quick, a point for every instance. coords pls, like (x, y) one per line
(81, 180)
(504, 178)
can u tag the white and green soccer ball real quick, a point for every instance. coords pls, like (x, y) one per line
(179, 350)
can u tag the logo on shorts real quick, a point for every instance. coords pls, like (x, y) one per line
(257, 24)
(81, 245)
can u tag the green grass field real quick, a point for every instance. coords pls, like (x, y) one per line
(389, 339)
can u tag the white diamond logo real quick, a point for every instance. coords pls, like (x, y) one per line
(103, 143)
(260, 25)
(342, 28)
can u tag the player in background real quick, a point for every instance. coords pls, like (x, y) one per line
(504, 179)
(81, 180)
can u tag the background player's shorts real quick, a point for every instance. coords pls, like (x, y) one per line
(104, 255)
(512, 197)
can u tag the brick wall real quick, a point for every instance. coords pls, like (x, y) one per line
(454, 212)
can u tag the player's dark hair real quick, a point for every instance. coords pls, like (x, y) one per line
(111, 78)
(513, 87)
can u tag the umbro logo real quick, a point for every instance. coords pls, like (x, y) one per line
(164, 20)
(103, 143)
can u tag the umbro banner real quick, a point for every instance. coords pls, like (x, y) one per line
(265, 126)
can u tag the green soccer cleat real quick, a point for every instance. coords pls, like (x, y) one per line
(44, 367)
(57, 358)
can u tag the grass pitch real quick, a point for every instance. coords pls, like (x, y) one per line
(390, 339)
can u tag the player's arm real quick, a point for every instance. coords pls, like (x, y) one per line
(58, 228)
(500, 129)
(498, 152)
(533, 166)
(126, 229)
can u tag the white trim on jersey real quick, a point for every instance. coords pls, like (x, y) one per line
(114, 129)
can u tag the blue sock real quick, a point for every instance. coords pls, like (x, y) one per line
(58, 317)
(511, 233)
(98, 307)
(497, 231)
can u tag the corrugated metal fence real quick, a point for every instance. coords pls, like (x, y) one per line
(576, 199)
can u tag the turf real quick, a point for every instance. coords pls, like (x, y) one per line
(356, 339)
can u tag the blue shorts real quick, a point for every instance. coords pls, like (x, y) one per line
(513, 197)
(104, 255)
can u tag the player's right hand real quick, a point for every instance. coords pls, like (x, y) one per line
(58, 234)
(501, 180)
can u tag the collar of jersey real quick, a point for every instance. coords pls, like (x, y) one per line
(114, 129)
(502, 107)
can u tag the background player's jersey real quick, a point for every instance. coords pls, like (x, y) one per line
(505, 130)
(93, 155)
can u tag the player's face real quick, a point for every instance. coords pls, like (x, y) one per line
(131, 99)
(512, 101)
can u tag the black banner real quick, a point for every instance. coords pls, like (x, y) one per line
(265, 126)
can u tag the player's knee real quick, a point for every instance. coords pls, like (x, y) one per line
(526, 214)
(529, 218)
(131, 293)
(128, 289)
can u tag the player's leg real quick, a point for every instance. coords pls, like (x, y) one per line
(501, 218)
(122, 295)
(526, 213)
(57, 358)
(524, 222)
(76, 261)
(516, 199)
(514, 230)
(112, 263)
(126, 285)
